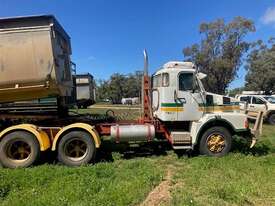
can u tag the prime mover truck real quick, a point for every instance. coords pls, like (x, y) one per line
(175, 106)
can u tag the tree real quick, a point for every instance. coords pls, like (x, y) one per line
(261, 67)
(119, 86)
(101, 90)
(133, 84)
(220, 51)
(235, 91)
(116, 89)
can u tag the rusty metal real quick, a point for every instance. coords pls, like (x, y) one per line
(18, 150)
(34, 59)
(147, 115)
(75, 149)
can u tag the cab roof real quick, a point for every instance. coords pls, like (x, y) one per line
(176, 66)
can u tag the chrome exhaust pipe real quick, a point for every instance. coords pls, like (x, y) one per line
(145, 62)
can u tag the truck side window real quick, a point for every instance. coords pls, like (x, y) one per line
(157, 81)
(256, 100)
(186, 81)
(165, 79)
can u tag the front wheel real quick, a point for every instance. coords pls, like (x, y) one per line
(76, 148)
(216, 141)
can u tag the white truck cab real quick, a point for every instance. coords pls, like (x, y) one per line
(175, 98)
(181, 102)
(255, 103)
(179, 95)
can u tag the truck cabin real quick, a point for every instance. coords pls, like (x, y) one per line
(177, 92)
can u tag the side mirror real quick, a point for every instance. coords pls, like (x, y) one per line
(201, 75)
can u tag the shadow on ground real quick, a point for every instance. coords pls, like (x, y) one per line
(242, 146)
(130, 152)
(110, 151)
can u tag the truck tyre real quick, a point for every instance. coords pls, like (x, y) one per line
(271, 119)
(216, 142)
(76, 148)
(19, 149)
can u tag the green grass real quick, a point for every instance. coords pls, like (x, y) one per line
(236, 179)
(240, 178)
(118, 183)
(244, 177)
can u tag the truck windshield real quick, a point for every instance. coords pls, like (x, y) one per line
(270, 99)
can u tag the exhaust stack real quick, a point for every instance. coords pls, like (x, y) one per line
(146, 103)
(145, 62)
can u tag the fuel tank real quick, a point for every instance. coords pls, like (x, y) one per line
(126, 133)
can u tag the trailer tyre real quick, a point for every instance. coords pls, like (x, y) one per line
(271, 119)
(76, 148)
(19, 149)
(216, 141)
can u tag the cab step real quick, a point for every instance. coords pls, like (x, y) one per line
(181, 140)
(180, 147)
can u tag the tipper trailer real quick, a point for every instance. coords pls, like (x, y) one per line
(34, 59)
(175, 108)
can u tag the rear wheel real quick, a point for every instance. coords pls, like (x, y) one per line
(215, 141)
(271, 119)
(19, 149)
(76, 148)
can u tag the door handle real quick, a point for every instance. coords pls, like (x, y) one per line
(182, 100)
(252, 106)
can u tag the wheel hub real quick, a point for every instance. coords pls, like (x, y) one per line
(18, 150)
(215, 143)
(75, 149)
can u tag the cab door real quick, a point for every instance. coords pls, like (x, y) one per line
(188, 97)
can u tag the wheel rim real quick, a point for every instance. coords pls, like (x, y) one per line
(215, 143)
(18, 150)
(75, 149)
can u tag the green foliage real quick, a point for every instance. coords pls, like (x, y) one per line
(235, 91)
(220, 51)
(261, 67)
(119, 86)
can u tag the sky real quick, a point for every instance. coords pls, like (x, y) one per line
(108, 36)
